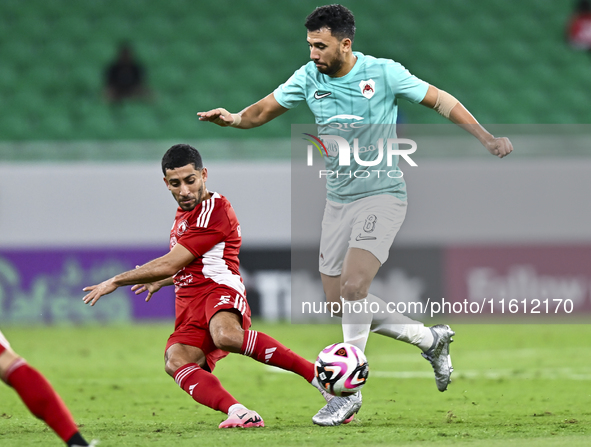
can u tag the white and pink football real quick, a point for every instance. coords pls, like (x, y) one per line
(341, 369)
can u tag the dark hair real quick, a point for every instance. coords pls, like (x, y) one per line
(584, 6)
(337, 18)
(181, 155)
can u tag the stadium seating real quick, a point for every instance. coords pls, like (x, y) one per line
(507, 61)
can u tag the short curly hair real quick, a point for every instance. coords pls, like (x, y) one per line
(181, 155)
(337, 18)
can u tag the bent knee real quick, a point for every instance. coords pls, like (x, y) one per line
(354, 289)
(174, 362)
(228, 339)
(172, 365)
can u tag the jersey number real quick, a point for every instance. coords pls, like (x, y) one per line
(370, 223)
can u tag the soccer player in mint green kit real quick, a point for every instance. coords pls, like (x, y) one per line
(343, 86)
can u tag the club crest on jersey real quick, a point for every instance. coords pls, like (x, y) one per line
(368, 88)
(182, 228)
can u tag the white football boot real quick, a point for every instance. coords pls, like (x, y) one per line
(438, 355)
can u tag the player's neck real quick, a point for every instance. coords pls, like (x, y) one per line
(347, 66)
(206, 196)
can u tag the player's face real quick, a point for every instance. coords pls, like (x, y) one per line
(327, 51)
(187, 186)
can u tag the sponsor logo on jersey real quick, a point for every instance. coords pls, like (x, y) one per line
(344, 117)
(181, 279)
(368, 88)
(345, 123)
(319, 95)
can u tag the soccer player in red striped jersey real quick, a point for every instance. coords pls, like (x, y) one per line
(38, 395)
(212, 314)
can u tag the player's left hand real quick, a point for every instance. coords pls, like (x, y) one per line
(152, 288)
(97, 291)
(501, 147)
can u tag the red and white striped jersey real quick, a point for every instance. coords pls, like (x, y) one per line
(211, 232)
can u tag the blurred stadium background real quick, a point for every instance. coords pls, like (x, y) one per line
(81, 197)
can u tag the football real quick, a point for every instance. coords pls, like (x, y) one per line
(341, 369)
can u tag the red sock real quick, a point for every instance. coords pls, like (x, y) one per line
(266, 349)
(203, 387)
(41, 399)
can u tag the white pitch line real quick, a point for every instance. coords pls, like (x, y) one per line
(491, 374)
(559, 374)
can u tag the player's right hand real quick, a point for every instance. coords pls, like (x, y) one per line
(95, 292)
(219, 116)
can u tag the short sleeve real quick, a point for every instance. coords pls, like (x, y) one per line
(293, 91)
(206, 234)
(404, 84)
(200, 240)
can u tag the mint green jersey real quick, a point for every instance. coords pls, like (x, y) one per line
(361, 105)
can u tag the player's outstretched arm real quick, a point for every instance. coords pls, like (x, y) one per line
(255, 115)
(157, 270)
(449, 107)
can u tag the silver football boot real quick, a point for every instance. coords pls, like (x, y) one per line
(338, 410)
(438, 355)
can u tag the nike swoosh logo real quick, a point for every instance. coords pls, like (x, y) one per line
(320, 96)
(365, 238)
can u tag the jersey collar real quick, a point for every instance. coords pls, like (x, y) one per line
(354, 70)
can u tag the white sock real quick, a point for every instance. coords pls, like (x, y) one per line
(236, 407)
(356, 322)
(399, 326)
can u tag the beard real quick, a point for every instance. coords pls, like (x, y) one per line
(333, 66)
(196, 200)
(188, 206)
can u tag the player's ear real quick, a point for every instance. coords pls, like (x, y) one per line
(346, 44)
(204, 173)
(166, 183)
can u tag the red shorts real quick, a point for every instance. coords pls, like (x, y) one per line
(4, 345)
(193, 314)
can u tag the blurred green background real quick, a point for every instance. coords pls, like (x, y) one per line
(507, 61)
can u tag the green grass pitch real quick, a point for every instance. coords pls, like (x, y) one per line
(514, 385)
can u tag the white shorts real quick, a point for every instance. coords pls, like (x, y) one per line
(4, 345)
(370, 223)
